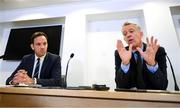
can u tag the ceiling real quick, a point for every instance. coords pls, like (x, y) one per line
(17, 4)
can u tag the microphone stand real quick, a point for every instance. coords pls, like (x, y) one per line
(175, 83)
(65, 77)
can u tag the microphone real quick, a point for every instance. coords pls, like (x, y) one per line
(2, 56)
(65, 77)
(175, 83)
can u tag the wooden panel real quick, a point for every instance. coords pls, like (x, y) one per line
(14, 100)
(33, 97)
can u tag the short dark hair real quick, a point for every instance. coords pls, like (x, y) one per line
(37, 34)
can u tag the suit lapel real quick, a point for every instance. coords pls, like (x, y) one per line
(44, 66)
(31, 64)
(144, 46)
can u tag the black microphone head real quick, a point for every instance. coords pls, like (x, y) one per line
(72, 55)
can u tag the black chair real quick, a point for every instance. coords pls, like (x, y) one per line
(63, 82)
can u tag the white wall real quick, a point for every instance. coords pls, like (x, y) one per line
(91, 31)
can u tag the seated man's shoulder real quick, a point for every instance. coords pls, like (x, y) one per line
(28, 55)
(161, 51)
(51, 55)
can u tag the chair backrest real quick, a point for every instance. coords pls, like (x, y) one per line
(63, 81)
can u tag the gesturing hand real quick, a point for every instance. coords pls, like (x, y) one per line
(150, 52)
(124, 54)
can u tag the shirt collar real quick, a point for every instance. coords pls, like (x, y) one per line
(41, 58)
(141, 48)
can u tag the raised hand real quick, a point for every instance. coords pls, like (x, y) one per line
(150, 52)
(124, 54)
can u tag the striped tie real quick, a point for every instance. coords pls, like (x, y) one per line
(36, 71)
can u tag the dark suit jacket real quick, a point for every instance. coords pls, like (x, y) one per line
(157, 80)
(50, 71)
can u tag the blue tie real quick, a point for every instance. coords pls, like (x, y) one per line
(140, 79)
(36, 71)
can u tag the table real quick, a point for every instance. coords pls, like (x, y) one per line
(40, 97)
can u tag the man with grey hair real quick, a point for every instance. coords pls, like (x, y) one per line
(139, 65)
